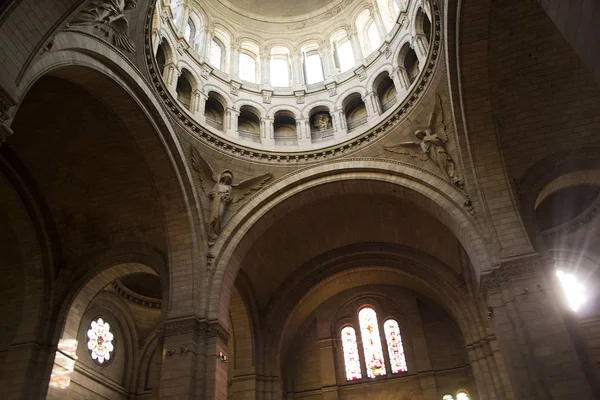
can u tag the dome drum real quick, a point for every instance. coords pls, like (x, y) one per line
(277, 73)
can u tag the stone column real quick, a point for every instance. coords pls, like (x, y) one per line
(232, 122)
(197, 103)
(26, 369)
(208, 36)
(329, 388)
(303, 131)
(216, 338)
(327, 61)
(297, 71)
(267, 131)
(181, 374)
(358, 55)
(376, 15)
(369, 100)
(235, 61)
(421, 47)
(183, 19)
(339, 120)
(528, 317)
(402, 76)
(171, 75)
(264, 69)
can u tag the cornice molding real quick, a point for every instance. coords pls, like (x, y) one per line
(197, 327)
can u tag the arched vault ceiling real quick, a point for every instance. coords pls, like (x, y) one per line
(336, 221)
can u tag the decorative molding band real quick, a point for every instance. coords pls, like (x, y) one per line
(236, 150)
(575, 224)
(135, 297)
(199, 327)
(508, 270)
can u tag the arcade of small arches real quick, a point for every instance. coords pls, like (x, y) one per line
(293, 94)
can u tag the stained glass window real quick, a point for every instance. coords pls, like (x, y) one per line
(371, 342)
(351, 357)
(448, 397)
(395, 349)
(462, 396)
(100, 341)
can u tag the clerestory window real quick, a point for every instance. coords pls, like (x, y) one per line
(373, 354)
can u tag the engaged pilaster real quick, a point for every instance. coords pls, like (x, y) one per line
(529, 322)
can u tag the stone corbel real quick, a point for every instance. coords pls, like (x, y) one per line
(332, 88)
(205, 71)
(234, 87)
(361, 72)
(299, 96)
(266, 96)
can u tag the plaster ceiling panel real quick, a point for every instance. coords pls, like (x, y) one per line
(277, 9)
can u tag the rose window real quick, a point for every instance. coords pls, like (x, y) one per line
(100, 341)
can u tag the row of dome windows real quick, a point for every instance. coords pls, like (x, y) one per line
(285, 129)
(281, 67)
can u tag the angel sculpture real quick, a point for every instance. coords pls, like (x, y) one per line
(223, 192)
(108, 16)
(432, 141)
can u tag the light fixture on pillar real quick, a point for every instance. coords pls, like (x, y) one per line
(575, 292)
(222, 357)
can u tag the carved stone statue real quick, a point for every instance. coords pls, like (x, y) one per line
(322, 122)
(432, 141)
(108, 16)
(223, 191)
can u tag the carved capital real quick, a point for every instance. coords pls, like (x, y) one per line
(521, 267)
(181, 327)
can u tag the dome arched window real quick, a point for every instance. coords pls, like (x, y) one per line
(216, 54)
(313, 67)
(343, 55)
(368, 35)
(372, 348)
(190, 32)
(388, 9)
(373, 37)
(247, 67)
(280, 67)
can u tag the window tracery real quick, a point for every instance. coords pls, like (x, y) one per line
(100, 340)
(372, 348)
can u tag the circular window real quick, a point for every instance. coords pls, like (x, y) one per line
(100, 340)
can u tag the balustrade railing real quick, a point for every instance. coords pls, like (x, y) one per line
(356, 123)
(215, 124)
(249, 135)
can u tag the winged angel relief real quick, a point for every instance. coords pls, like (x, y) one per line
(432, 142)
(108, 16)
(223, 191)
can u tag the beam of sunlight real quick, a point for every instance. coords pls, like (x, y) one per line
(574, 290)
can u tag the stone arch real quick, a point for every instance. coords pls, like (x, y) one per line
(344, 95)
(559, 170)
(115, 75)
(415, 186)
